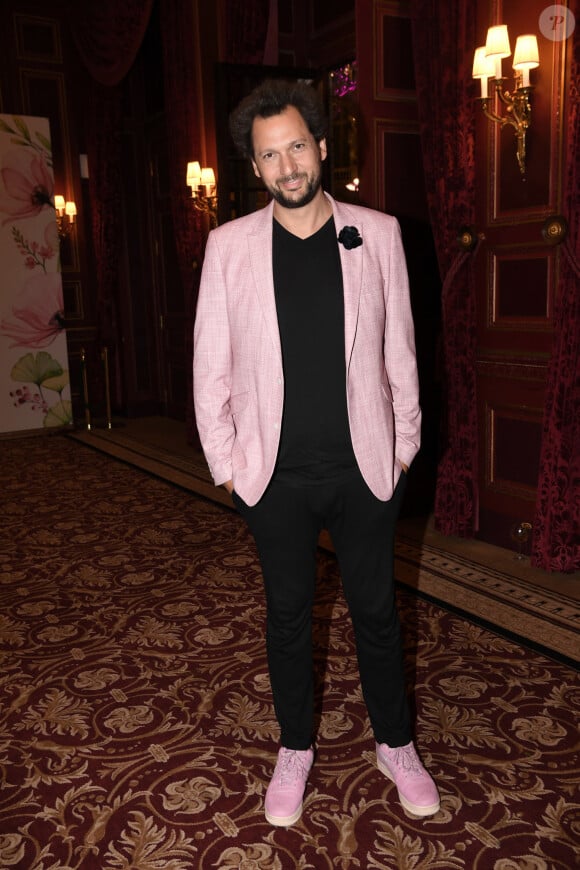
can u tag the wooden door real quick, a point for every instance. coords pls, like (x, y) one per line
(517, 271)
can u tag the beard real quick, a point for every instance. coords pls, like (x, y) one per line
(293, 201)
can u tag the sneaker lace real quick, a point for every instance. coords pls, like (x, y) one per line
(290, 767)
(407, 759)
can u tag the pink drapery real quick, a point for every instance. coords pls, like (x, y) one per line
(556, 528)
(443, 37)
(181, 92)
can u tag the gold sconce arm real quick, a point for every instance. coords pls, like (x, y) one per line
(518, 109)
(518, 115)
(206, 204)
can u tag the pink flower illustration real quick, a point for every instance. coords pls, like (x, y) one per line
(35, 254)
(24, 396)
(37, 314)
(27, 185)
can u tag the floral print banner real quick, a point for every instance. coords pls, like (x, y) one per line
(34, 372)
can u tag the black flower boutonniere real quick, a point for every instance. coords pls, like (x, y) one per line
(350, 238)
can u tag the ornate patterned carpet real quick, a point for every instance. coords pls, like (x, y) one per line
(136, 728)
(474, 584)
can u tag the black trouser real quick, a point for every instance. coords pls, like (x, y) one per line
(285, 524)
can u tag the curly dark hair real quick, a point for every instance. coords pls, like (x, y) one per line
(271, 98)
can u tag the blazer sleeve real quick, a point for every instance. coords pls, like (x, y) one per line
(400, 356)
(212, 366)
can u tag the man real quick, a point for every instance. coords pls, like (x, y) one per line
(306, 401)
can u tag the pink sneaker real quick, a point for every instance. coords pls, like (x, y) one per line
(417, 791)
(283, 804)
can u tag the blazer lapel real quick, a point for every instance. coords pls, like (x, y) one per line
(260, 251)
(352, 262)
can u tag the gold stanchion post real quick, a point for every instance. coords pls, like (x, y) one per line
(105, 358)
(85, 388)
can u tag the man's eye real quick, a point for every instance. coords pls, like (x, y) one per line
(299, 146)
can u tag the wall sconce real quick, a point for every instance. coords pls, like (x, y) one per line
(487, 62)
(203, 190)
(353, 185)
(65, 215)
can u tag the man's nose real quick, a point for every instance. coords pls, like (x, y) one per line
(288, 164)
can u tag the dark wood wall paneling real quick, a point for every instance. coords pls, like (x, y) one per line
(316, 35)
(517, 275)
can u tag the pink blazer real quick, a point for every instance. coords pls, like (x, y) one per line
(237, 365)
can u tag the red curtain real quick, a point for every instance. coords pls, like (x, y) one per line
(104, 122)
(246, 30)
(443, 38)
(108, 35)
(181, 99)
(556, 530)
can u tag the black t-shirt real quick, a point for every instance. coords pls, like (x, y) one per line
(315, 443)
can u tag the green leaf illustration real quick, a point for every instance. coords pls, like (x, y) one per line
(57, 383)
(43, 140)
(21, 125)
(5, 128)
(32, 369)
(59, 415)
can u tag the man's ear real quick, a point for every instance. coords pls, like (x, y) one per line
(323, 149)
(256, 170)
